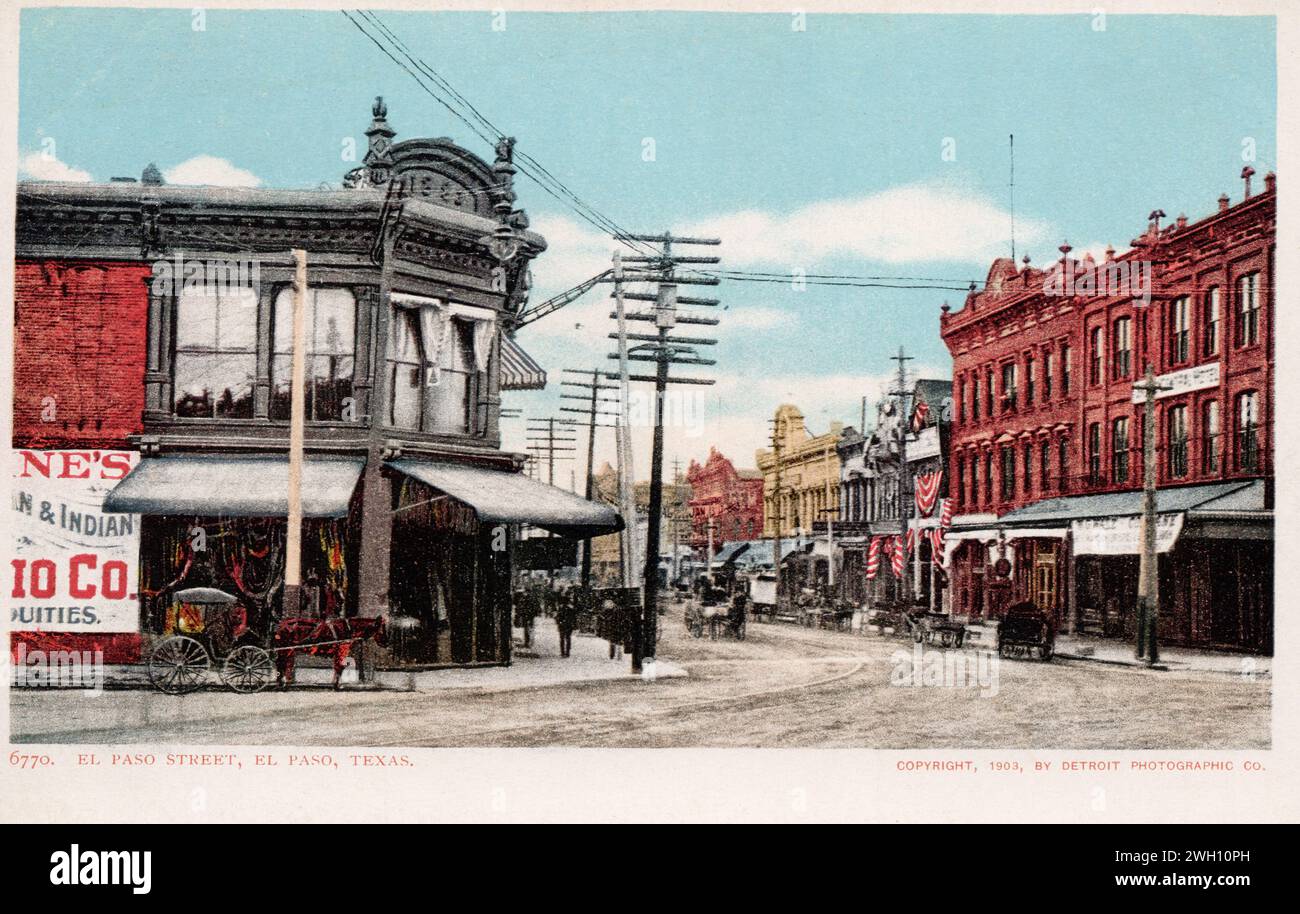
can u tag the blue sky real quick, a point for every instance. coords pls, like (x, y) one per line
(818, 150)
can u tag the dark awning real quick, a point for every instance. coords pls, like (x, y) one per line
(251, 485)
(519, 370)
(730, 552)
(500, 497)
(1053, 511)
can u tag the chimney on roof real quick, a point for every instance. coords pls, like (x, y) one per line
(1110, 253)
(1155, 217)
(1245, 176)
(1024, 273)
(1181, 221)
(152, 175)
(1223, 203)
(1270, 183)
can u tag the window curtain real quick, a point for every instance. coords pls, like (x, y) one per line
(436, 328)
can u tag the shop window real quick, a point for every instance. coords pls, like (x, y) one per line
(1211, 433)
(1119, 450)
(1210, 324)
(215, 357)
(1179, 330)
(1177, 438)
(1248, 432)
(1248, 310)
(1122, 364)
(330, 330)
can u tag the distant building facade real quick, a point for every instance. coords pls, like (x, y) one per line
(727, 500)
(801, 474)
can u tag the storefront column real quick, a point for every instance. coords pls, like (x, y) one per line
(375, 551)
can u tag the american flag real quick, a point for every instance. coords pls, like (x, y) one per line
(945, 514)
(918, 416)
(927, 491)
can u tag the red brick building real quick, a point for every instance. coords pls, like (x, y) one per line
(1046, 459)
(730, 500)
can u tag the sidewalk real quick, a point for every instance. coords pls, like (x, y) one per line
(534, 667)
(1175, 659)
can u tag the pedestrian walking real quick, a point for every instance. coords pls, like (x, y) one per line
(566, 619)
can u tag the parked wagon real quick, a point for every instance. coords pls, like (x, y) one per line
(1024, 630)
(937, 628)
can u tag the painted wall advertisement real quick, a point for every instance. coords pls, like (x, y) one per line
(74, 566)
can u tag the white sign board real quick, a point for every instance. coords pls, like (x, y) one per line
(1122, 535)
(924, 445)
(1181, 382)
(74, 567)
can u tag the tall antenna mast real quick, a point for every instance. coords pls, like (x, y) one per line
(1011, 185)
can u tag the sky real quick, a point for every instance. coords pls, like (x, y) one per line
(866, 145)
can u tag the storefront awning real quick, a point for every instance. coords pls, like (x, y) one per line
(251, 485)
(1120, 504)
(500, 497)
(519, 371)
(730, 552)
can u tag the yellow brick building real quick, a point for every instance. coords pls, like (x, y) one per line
(808, 467)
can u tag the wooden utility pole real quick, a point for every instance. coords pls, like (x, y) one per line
(904, 496)
(1148, 601)
(592, 411)
(664, 351)
(297, 423)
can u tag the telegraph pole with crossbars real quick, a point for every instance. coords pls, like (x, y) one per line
(663, 350)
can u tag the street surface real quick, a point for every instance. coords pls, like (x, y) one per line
(783, 686)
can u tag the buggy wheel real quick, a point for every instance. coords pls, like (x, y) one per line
(178, 664)
(248, 668)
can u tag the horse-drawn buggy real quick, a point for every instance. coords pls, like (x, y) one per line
(1026, 629)
(720, 610)
(207, 628)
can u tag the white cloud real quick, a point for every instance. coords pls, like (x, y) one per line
(920, 223)
(212, 171)
(40, 166)
(759, 318)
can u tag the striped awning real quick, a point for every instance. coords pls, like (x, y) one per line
(518, 369)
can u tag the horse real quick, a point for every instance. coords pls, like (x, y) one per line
(329, 637)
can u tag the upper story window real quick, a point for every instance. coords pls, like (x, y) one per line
(1180, 330)
(1211, 432)
(1094, 453)
(1248, 431)
(1009, 387)
(1095, 355)
(1063, 465)
(1049, 366)
(1028, 482)
(975, 398)
(1008, 473)
(433, 362)
(1030, 381)
(988, 393)
(960, 475)
(1177, 438)
(1066, 369)
(1248, 310)
(1122, 348)
(961, 403)
(1044, 465)
(1119, 450)
(1210, 324)
(215, 357)
(330, 319)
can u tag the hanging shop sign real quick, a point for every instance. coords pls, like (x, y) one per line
(1122, 535)
(74, 566)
